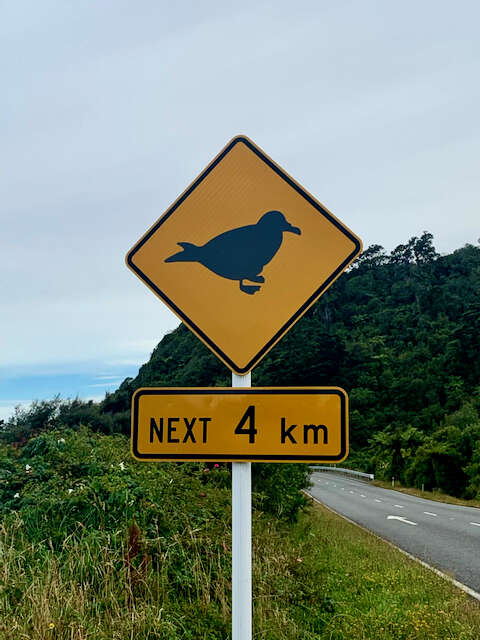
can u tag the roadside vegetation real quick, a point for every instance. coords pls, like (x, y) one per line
(95, 545)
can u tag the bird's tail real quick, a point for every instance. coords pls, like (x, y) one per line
(189, 253)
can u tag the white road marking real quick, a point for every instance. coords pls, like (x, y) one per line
(377, 500)
(428, 513)
(343, 488)
(402, 520)
(398, 505)
(475, 524)
(352, 492)
(362, 496)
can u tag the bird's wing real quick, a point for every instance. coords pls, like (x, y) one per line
(238, 253)
(235, 238)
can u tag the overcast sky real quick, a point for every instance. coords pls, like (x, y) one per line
(111, 108)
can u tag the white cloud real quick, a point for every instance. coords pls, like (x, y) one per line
(106, 385)
(95, 398)
(7, 408)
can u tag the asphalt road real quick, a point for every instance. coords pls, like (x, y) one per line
(444, 535)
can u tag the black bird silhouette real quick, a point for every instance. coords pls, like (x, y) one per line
(240, 254)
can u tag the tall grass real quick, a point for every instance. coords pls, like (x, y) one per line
(89, 588)
(318, 578)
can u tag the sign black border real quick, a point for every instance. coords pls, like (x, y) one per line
(236, 391)
(318, 292)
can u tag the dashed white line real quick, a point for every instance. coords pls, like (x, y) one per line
(399, 506)
(376, 500)
(475, 524)
(352, 492)
(362, 495)
(428, 513)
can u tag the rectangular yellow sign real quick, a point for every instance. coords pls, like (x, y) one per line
(264, 424)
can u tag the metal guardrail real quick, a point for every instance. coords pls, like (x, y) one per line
(346, 472)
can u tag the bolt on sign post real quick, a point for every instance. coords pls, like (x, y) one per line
(240, 256)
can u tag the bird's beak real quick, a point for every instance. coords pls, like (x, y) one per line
(293, 229)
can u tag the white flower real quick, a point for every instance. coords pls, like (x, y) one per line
(17, 495)
(70, 491)
(61, 441)
(28, 468)
(122, 466)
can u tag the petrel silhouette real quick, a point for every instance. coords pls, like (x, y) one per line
(240, 254)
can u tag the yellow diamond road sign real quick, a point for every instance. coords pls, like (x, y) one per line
(242, 254)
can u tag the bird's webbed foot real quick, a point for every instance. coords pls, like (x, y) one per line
(256, 279)
(246, 288)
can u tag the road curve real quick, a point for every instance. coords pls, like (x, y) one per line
(445, 536)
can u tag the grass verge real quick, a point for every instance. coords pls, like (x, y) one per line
(95, 546)
(333, 580)
(320, 578)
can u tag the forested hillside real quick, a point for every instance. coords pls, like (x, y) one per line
(400, 333)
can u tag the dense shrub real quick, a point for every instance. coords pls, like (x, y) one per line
(66, 480)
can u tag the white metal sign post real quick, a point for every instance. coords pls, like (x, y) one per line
(241, 539)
